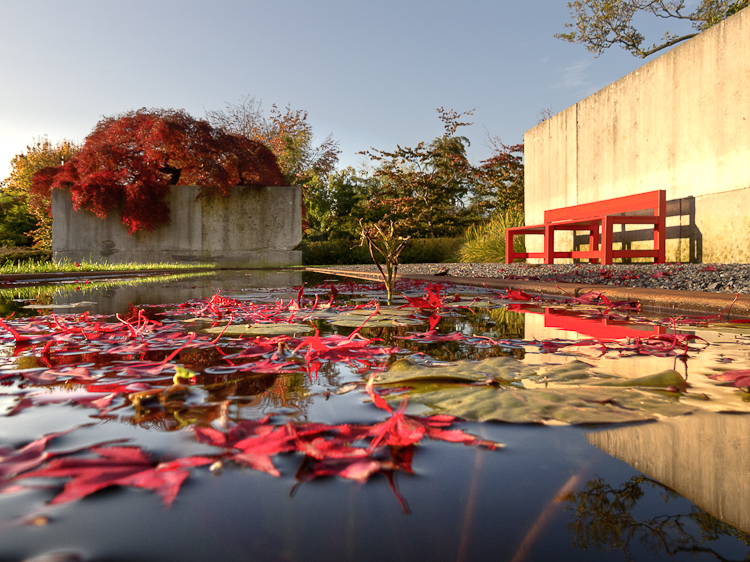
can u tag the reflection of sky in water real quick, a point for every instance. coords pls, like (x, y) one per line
(465, 503)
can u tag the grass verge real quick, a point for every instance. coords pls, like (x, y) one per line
(10, 267)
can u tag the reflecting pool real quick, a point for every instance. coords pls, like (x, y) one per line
(258, 415)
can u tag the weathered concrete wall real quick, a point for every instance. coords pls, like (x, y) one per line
(680, 123)
(253, 227)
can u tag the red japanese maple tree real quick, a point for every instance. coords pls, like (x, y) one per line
(130, 161)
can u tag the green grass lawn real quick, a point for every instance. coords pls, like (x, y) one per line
(58, 266)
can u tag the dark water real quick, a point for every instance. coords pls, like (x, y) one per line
(550, 494)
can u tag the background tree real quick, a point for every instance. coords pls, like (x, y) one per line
(600, 24)
(290, 137)
(423, 188)
(20, 212)
(334, 208)
(499, 180)
(129, 162)
(15, 221)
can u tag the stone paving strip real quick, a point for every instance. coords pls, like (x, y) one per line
(662, 289)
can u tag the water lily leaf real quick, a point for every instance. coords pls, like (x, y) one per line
(484, 303)
(380, 323)
(390, 318)
(501, 369)
(663, 379)
(383, 311)
(576, 372)
(317, 314)
(279, 329)
(549, 406)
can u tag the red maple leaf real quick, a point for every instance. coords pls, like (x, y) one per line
(16, 461)
(432, 336)
(740, 378)
(118, 466)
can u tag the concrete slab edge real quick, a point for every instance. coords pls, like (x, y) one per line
(663, 302)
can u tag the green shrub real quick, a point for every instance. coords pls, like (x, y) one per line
(348, 252)
(485, 243)
(17, 254)
(431, 250)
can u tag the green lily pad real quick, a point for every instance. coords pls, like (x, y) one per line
(549, 406)
(383, 311)
(386, 317)
(380, 323)
(501, 369)
(548, 395)
(314, 315)
(280, 329)
(575, 372)
(484, 303)
(663, 379)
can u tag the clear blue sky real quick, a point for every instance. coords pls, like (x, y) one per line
(369, 73)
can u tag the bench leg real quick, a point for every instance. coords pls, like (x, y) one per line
(549, 244)
(509, 247)
(606, 250)
(594, 239)
(660, 230)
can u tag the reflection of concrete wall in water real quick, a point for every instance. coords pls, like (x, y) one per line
(253, 227)
(117, 298)
(680, 123)
(703, 457)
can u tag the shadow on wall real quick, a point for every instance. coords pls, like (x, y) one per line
(684, 238)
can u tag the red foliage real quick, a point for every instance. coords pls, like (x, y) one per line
(129, 162)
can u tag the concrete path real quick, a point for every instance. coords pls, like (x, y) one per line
(658, 301)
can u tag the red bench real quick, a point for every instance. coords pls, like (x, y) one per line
(598, 219)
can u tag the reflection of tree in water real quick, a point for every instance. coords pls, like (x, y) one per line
(507, 323)
(604, 519)
(503, 324)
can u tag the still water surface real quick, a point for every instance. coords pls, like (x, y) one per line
(673, 489)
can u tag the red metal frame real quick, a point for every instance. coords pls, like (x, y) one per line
(597, 218)
(599, 328)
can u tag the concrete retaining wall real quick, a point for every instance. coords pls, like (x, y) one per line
(253, 227)
(680, 123)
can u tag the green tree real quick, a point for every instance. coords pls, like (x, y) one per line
(15, 221)
(499, 180)
(290, 137)
(335, 207)
(600, 24)
(20, 208)
(423, 188)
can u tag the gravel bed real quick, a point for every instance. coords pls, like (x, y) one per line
(713, 278)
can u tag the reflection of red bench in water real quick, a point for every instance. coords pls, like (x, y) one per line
(599, 328)
(593, 217)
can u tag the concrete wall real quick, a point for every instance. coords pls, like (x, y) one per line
(253, 227)
(680, 123)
